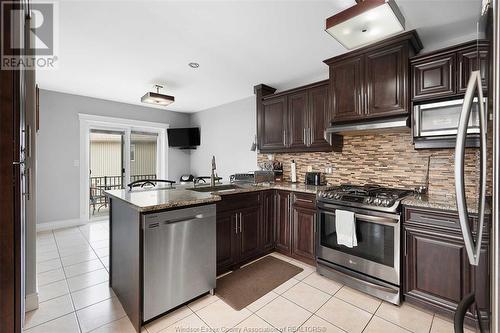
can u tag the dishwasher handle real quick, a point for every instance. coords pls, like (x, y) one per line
(184, 219)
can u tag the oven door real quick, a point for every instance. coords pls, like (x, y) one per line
(378, 234)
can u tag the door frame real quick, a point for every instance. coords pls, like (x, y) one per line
(127, 126)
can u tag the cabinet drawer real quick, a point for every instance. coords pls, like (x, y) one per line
(238, 201)
(431, 217)
(304, 200)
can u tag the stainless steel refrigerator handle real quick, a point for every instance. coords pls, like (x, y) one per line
(473, 248)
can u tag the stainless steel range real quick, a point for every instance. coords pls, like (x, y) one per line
(373, 264)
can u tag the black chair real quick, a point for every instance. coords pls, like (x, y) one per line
(97, 198)
(152, 182)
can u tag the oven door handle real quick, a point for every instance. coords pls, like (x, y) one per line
(368, 218)
(371, 284)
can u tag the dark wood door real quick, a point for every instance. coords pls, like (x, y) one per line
(298, 120)
(319, 117)
(438, 273)
(267, 221)
(434, 77)
(303, 240)
(467, 62)
(226, 240)
(249, 220)
(386, 82)
(346, 89)
(283, 232)
(274, 123)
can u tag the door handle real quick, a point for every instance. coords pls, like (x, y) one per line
(240, 223)
(473, 248)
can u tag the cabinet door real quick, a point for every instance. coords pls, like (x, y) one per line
(386, 75)
(346, 85)
(267, 221)
(283, 234)
(319, 117)
(298, 122)
(273, 124)
(226, 240)
(436, 267)
(467, 62)
(303, 240)
(434, 77)
(249, 219)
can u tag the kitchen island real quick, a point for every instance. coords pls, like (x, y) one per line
(148, 228)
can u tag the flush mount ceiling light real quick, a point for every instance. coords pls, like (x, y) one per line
(366, 22)
(157, 98)
(194, 65)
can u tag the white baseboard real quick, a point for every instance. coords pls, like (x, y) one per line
(59, 224)
(31, 302)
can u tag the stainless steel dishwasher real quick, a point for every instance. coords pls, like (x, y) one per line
(179, 257)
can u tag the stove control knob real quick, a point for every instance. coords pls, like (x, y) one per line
(320, 194)
(369, 200)
(377, 201)
(330, 195)
(336, 196)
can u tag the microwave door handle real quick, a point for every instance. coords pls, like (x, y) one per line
(473, 248)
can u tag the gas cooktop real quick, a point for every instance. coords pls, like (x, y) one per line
(367, 196)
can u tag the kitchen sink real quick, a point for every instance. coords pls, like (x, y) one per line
(216, 188)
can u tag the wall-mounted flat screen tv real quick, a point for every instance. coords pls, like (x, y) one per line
(186, 138)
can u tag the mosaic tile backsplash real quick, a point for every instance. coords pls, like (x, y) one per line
(387, 159)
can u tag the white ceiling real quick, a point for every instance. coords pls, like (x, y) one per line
(117, 50)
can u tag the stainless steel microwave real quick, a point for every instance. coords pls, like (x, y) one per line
(438, 122)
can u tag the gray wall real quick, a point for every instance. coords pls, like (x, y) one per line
(59, 148)
(227, 131)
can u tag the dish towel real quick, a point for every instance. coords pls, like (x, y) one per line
(345, 224)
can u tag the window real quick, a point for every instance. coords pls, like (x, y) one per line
(132, 153)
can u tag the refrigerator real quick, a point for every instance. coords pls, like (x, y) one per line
(487, 184)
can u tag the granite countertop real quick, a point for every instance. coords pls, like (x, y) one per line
(181, 195)
(448, 203)
(163, 198)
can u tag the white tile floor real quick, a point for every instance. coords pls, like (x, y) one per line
(74, 295)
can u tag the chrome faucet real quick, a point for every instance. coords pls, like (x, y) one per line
(212, 175)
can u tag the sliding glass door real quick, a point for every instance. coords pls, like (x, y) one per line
(143, 156)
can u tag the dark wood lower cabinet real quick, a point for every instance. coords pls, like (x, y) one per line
(437, 273)
(304, 220)
(283, 233)
(249, 221)
(253, 224)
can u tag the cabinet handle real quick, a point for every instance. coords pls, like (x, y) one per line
(303, 200)
(305, 136)
(240, 223)
(310, 137)
(284, 138)
(406, 243)
(236, 223)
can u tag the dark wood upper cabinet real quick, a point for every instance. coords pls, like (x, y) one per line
(445, 73)
(298, 120)
(319, 117)
(346, 89)
(273, 124)
(373, 81)
(437, 273)
(387, 82)
(307, 115)
(434, 79)
(467, 61)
